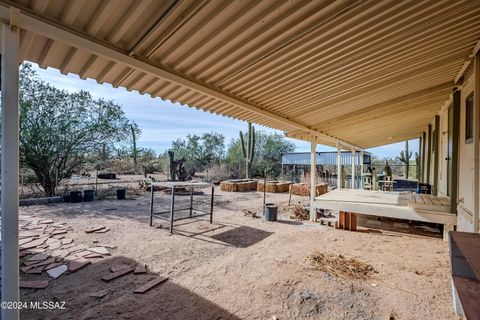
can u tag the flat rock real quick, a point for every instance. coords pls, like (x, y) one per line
(60, 253)
(57, 271)
(38, 257)
(80, 247)
(45, 221)
(26, 240)
(94, 228)
(150, 285)
(35, 270)
(66, 241)
(75, 265)
(99, 294)
(118, 274)
(53, 265)
(140, 268)
(34, 243)
(36, 284)
(101, 250)
(102, 230)
(93, 255)
(119, 266)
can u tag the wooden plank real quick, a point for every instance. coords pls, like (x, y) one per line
(419, 199)
(118, 274)
(151, 284)
(427, 199)
(435, 201)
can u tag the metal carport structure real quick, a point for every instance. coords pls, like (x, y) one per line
(350, 74)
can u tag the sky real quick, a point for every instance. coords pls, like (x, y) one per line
(162, 122)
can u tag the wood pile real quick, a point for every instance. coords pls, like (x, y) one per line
(273, 186)
(238, 185)
(303, 189)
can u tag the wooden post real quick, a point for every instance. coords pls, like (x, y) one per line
(339, 166)
(422, 159)
(353, 169)
(429, 153)
(313, 177)
(10, 170)
(455, 147)
(436, 160)
(361, 169)
(476, 142)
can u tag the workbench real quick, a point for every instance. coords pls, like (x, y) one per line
(169, 215)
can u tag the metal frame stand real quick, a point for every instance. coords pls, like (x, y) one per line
(171, 218)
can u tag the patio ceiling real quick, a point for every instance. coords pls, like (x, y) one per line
(364, 72)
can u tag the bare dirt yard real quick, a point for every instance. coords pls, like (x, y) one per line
(239, 267)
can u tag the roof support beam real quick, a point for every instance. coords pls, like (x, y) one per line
(10, 169)
(59, 32)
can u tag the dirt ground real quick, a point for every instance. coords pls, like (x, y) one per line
(241, 267)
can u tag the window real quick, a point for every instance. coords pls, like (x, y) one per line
(469, 119)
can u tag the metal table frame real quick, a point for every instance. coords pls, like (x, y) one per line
(183, 185)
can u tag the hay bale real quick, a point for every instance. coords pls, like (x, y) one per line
(271, 187)
(303, 189)
(243, 186)
(253, 185)
(228, 186)
(283, 186)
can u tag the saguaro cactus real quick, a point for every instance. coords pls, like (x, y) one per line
(134, 147)
(405, 158)
(248, 148)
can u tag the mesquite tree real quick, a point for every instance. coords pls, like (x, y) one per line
(248, 148)
(59, 131)
(405, 158)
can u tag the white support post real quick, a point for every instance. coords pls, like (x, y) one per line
(476, 144)
(353, 169)
(339, 166)
(361, 169)
(10, 166)
(313, 178)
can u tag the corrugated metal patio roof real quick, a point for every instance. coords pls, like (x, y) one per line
(365, 72)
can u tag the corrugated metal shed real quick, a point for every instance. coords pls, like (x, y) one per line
(366, 72)
(323, 158)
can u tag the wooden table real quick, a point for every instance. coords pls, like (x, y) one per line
(172, 185)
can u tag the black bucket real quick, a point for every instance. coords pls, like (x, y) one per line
(121, 194)
(75, 196)
(271, 210)
(88, 195)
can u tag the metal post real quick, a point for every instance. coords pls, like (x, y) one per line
(172, 209)
(339, 167)
(211, 204)
(191, 201)
(361, 169)
(264, 191)
(152, 190)
(353, 169)
(313, 177)
(10, 170)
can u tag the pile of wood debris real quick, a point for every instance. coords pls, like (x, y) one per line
(340, 266)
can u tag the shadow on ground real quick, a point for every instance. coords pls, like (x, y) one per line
(242, 237)
(166, 301)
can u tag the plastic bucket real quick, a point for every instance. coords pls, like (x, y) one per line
(88, 195)
(121, 194)
(271, 210)
(75, 196)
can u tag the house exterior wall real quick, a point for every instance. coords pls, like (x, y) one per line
(466, 195)
(466, 174)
